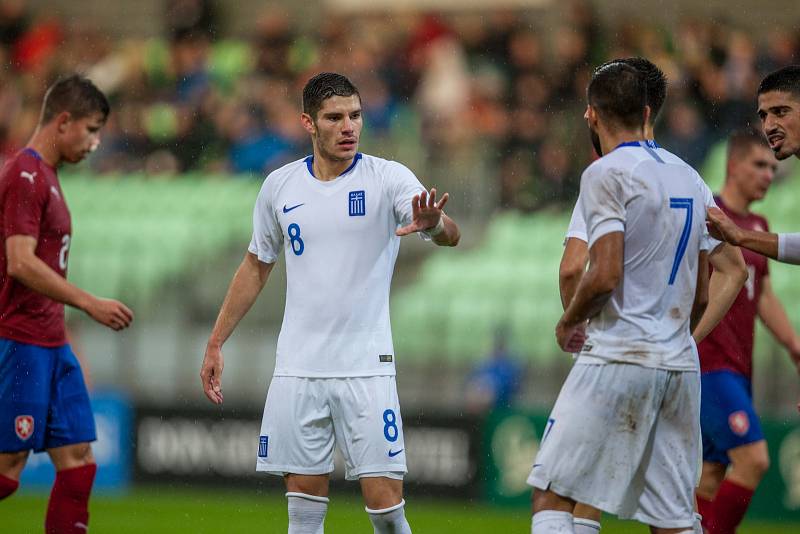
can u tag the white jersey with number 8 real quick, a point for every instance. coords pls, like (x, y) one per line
(340, 245)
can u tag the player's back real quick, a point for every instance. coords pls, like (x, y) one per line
(659, 202)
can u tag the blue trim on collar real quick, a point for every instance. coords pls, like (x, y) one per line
(31, 152)
(649, 143)
(310, 164)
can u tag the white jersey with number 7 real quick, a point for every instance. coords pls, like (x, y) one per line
(659, 202)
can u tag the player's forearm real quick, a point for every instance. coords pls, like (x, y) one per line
(774, 317)
(765, 243)
(450, 236)
(730, 274)
(592, 294)
(38, 276)
(245, 287)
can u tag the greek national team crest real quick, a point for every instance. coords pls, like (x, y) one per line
(739, 422)
(23, 426)
(263, 446)
(357, 205)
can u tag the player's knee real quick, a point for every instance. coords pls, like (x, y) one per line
(759, 463)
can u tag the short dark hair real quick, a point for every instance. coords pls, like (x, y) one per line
(322, 87)
(655, 78)
(741, 140)
(618, 92)
(786, 79)
(76, 95)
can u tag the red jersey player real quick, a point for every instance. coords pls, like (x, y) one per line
(44, 404)
(730, 427)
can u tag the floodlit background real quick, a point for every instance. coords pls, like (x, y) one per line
(480, 98)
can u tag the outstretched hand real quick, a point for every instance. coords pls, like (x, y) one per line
(721, 227)
(426, 212)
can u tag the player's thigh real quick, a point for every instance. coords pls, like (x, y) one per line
(381, 492)
(296, 429)
(369, 426)
(12, 463)
(70, 419)
(587, 512)
(749, 463)
(25, 390)
(597, 433)
(671, 469)
(70, 456)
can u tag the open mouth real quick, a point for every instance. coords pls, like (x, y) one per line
(347, 143)
(775, 140)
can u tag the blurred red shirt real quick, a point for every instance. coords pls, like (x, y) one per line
(730, 345)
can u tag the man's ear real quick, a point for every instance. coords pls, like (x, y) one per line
(62, 120)
(308, 123)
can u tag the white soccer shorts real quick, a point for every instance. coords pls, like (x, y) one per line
(625, 439)
(303, 417)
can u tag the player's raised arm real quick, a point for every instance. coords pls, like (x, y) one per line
(247, 283)
(730, 274)
(27, 268)
(428, 216)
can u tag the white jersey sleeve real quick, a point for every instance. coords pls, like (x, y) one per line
(267, 239)
(708, 243)
(603, 198)
(577, 224)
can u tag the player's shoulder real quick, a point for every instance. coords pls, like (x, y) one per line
(24, 169)
(382, 166)
(617, 163)
(294, 170)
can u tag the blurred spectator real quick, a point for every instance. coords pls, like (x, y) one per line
(493, 87)
(494, 384)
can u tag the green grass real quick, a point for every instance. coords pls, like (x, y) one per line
(159, 509)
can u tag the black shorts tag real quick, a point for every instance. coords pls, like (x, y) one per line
(385, 358)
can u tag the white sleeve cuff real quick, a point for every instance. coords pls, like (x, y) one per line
(789, 248)
(605, 227)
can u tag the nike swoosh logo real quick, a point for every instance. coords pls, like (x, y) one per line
(392, 453)
(537, 465)
(287, 210)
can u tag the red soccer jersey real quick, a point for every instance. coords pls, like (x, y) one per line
(32, 203)
(730, 345)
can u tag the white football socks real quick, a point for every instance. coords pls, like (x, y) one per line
(390, 520)
(306, 513)
(552, 522)
(585, 526)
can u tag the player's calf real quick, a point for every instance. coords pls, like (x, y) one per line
(7, 486)
(68, 508)
(390, 520)
(306, 513)
(11, 465)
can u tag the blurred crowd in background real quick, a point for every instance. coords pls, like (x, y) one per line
(447, 88)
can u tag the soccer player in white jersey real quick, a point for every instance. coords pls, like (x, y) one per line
(339, 216)
(623, 435)
(730, 271)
